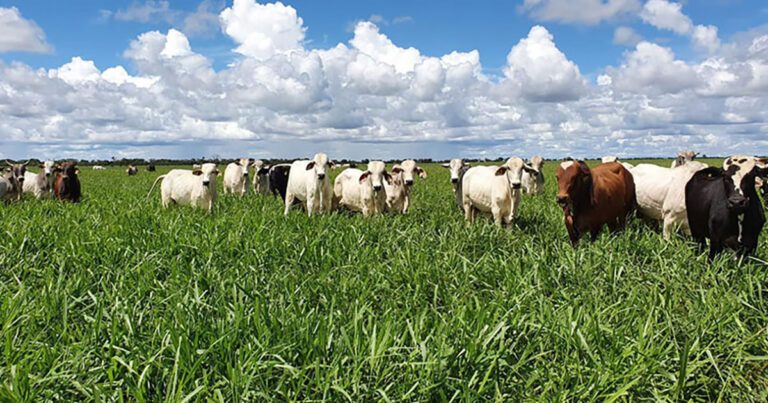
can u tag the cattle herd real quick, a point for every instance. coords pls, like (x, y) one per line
(716, 203)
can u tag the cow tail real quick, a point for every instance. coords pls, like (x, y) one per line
(159, 178)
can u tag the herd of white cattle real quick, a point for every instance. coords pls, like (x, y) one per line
(494, 191)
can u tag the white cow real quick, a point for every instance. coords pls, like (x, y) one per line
(684, 157)
(399, 189)
(494, 190)
(236, 177)
(363, 191)
(98, 168)
(458, 168)
(40, 184)
(533, 182)
(196, 188)
(260, 177)
(660, 193)
(309, 183)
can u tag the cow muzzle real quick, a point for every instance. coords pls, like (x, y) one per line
(409, 182)
(516, 186)
(562, 200)
(377, 188)
(206, 183)
(454, 180)
(320, 176)
(47, 174)
(21, 179)
(737, 203)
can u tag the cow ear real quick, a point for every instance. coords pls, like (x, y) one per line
(41, 166)
(388, 177)
(422, 173)
(397, 170)
(501, 171)
(332, 164)
(197, 172)
(310, 165)
(364, 176)
(529, 169)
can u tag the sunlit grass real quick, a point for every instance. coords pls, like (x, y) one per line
(118, 297)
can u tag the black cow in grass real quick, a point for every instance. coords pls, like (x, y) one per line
(278, 179)
(729, 215)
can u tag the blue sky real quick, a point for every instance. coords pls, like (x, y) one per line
(549, 78)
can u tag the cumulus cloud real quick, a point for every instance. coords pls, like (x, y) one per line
(541, 70)
(626, 36)
(370, 97)
(20, 34)
(663, 14)
(587, 12)
(261, 30)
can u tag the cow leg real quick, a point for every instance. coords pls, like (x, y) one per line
(497, 218)
(668, 225)
(573, 233)
(288, 202)
(310, 206)
(468, 214)
(714, 248)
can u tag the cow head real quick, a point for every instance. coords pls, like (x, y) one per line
(260, 168)
(410, 170)
(458, 167)
(536, 164)
(574, 186)
(744, 170)
(513, 169)
(48, 167)
(320, 164)
(18, 171)
(376, 175)
(685, 157)
(208, 172)
(244, 163)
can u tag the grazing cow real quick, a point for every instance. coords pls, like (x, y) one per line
(592, 198)
(260, 177)
(131, 170)
(278, 179)
(714, 206)
(67, 185)
(363, 191)
(196, 188)
(494, 190)
(684, 157)
(98, 168)
(533, 182)
(609, 158)
(458, 168)
(18, 173)
(151, 167)
(399, 189)
(660, 193)
(308, 182)
(236, 177)
(40, 184)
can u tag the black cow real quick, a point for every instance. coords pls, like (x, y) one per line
(713, 205)
(278, 179)
(151, 167)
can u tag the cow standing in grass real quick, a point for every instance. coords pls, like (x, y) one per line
(196, 188)
(494, 190)
(16, 175)
(363, 190)
(592, 198)
(399, 189)
(67, 185)
(40, 184)
(458, 168)
(236, 177)
(533, 182)
(308, 183)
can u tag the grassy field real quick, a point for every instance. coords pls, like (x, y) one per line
(118, 298)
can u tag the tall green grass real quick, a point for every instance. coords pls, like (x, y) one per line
(117, 298)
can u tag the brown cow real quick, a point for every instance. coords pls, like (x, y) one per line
(67, 185)
(593, 198)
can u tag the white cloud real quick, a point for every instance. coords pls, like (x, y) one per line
(262, 30)
(541, 70)
(20, 34)
(147, 11)
(371, 97)
(626, 36)
(705, 38)
(665, 15)
(587, 12)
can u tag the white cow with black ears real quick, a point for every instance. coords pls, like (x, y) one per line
(183, 187)
(363, 191)
(458, 168)
(400, 188)
(236, 177)
(40, 184)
